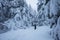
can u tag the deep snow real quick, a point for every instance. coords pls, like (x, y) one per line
(41, 33)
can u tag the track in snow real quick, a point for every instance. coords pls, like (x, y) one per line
(41, 33)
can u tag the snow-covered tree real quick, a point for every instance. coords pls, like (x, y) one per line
(54, 11)
(43, 10)
(11, 12)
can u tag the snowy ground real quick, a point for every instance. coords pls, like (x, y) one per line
(42, 33)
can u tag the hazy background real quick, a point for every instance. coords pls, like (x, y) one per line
(33, 3)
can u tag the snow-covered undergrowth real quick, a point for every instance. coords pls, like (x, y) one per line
(41, 33)
(55, 32)
(17, 23)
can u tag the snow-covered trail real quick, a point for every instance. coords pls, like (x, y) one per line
(42, 33)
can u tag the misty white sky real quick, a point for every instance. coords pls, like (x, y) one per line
(33, 3)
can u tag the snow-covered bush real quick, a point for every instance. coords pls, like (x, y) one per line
(3, 28)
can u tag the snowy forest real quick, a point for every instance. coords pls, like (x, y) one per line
(21, 20)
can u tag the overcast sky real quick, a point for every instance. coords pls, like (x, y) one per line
(33, 3)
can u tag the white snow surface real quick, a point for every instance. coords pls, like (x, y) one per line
(41, 33)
